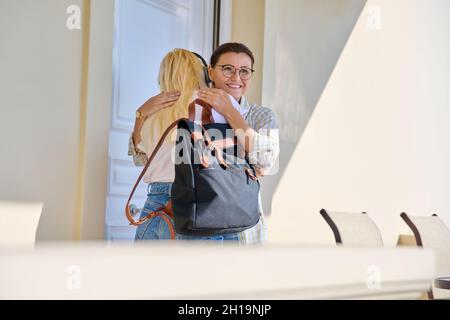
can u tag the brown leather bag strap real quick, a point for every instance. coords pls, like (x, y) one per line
(206, 117)
(163, 215)
(152, 156)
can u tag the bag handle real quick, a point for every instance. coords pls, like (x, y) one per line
(206, 117)
(166, 209)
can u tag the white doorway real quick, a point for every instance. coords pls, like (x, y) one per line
(145, 30)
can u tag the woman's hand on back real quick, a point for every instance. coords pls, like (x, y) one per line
(159, 102)
(150, 107)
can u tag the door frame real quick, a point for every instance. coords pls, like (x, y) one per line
(225, 21)
(200, 39)
(95, 115)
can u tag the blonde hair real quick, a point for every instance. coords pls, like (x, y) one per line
(180, 70)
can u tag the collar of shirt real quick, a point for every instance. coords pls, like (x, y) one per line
(244, 106)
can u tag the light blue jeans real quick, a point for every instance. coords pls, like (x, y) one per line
(225, 237)
(158, 195)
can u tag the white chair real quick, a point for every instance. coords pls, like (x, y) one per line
(19, 222)
(353, 229)
(431, 232)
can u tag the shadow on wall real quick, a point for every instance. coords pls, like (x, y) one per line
(303, 42)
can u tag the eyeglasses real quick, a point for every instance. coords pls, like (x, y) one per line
(229, 70)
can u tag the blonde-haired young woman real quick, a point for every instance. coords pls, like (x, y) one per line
(181, 75)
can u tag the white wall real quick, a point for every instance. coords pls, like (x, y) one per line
(303, 41)
(54, 122)
(379, 137)
(40, 61)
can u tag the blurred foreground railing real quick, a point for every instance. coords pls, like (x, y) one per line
(181, 271)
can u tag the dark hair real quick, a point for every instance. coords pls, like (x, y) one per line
(230, 47)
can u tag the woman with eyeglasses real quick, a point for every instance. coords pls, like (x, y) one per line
(256, 127)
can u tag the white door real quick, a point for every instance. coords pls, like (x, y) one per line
(145, 30)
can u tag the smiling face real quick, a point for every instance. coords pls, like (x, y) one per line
(234, 85)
